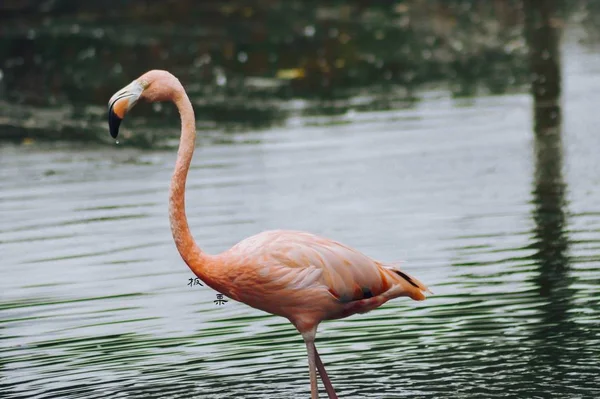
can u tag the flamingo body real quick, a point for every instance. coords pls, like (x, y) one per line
(306, 278)
(300, 276)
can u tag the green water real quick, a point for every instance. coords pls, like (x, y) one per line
(95, 301)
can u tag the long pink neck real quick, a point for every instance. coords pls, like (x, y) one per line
(193, 256)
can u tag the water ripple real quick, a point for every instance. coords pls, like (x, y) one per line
(95, 301)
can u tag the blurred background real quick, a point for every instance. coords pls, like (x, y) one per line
(459, 136)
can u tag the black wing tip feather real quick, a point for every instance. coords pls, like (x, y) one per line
(404, 276)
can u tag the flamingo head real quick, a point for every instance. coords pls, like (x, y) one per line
(152, 86)
(121, 102)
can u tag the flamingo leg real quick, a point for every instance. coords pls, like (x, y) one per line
(324, 377)
(310, 348)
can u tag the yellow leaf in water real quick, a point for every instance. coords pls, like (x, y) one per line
(293, 73)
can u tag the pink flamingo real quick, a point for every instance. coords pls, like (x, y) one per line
(300, 276)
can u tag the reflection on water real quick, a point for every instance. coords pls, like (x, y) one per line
(555, 280)
(246, 64)
(551, 241)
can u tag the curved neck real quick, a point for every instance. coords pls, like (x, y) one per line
(189, 251)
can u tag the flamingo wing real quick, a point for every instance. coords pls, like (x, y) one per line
(300, 260)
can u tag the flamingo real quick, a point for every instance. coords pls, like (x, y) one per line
(297, 275)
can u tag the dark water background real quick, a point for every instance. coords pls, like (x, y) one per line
(407, 131)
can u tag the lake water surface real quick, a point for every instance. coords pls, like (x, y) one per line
(503, 227)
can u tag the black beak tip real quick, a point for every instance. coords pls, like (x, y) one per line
(113, 123)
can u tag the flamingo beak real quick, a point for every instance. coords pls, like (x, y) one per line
(120, 103)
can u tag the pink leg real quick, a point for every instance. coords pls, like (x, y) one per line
(309, 339)
(314, 389)
(324, 377)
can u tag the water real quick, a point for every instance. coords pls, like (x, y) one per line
(504, 228)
